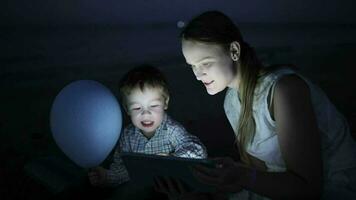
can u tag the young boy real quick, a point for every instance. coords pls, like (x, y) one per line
(145, 97)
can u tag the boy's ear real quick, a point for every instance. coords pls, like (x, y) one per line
(166, 103)
(126, 110)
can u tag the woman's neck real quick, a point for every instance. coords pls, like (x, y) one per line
(235, 83)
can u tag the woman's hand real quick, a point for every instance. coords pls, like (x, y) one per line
(171, 187)
(227, 176)
(177, 190)
(97, 176)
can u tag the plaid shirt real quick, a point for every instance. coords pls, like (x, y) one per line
(170, 138)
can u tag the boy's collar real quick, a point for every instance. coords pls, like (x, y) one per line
(161, 126)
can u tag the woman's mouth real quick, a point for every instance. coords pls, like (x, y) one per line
(147, 124)
(208, 83)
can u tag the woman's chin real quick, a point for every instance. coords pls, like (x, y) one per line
(212, 92)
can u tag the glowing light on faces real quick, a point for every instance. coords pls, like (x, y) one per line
(146, 109)
(211, 64)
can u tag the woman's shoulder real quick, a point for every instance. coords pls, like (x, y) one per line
(270, 75)
(276, 71)
(291, 84)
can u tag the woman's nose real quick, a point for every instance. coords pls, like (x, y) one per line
(199, 73)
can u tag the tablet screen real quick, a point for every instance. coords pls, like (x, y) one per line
(143, 168)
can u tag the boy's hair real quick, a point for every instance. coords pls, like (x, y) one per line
(142, 77)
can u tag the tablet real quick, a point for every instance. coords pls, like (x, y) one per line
(143, 168)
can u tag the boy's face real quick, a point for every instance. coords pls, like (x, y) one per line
(146, 109)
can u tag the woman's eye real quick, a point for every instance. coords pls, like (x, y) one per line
(206, 64)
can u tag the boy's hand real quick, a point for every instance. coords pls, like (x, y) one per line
(97, 176)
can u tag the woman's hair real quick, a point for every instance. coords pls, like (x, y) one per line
(216, 28)
(143, 77)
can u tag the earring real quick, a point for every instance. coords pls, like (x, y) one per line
(234, 57)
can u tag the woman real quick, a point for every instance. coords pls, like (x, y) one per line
(293, 143)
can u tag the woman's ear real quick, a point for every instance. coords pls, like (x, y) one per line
(235, 50)
(166, 103)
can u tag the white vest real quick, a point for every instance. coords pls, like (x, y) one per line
(338, 147)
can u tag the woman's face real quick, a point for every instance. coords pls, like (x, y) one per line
(211, 64)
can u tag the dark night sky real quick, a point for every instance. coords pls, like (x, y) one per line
(43, 12)
(45, 44)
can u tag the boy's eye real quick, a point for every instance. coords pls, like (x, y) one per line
(136, 108)
(154, 106)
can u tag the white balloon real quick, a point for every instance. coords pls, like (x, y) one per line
(86, 122)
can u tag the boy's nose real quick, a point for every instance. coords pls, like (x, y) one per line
(146, 111)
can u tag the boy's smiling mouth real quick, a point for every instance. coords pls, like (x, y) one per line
(147, 123)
